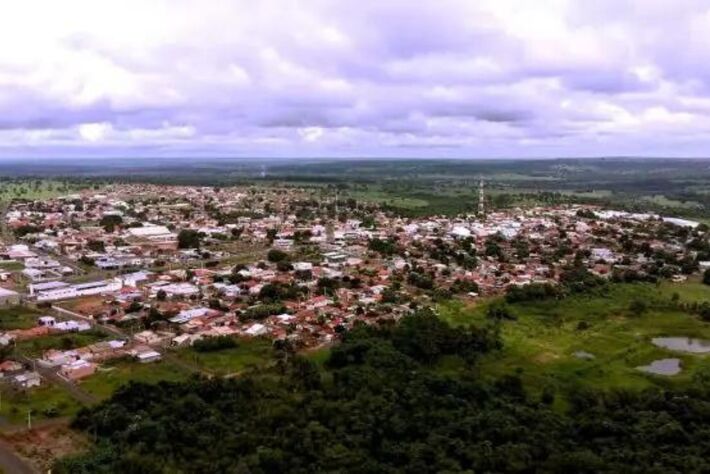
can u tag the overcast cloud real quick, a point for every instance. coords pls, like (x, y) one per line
(458, 78)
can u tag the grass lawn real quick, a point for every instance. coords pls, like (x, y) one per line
(249, 353)
(46, 401)
(691, 290)
(18, 317)
(37, 346)
(111, 375)
(541, 343)
(33, 189)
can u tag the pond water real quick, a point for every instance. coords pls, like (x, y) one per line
(683, 344)
(662, 367)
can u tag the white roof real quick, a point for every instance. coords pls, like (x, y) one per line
(149, 230)
(148, 354)
(256, 329)
(6, 292)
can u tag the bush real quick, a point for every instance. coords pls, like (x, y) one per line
(276, 255)
(214, 344)
(500, 311)
(531, 292)
(188, 239)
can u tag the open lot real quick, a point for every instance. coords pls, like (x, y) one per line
(18, 317)
(111, 375)
(249, 353)
(64, 341)
(45, 402)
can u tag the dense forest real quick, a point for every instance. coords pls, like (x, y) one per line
(383, 402)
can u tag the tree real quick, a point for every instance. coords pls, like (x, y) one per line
(110, 221)
(499, 311)
(276, 255)
(706, 277)
(96, 245)
(188, 239)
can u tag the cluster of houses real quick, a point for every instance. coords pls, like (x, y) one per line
(320, 270)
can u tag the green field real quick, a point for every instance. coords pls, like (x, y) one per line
(663, 201)
(37, 346)
(249, 353)
(18, 317)
(111, 375)
(540, 344)
(382, 197)
(36, 189)
(46, 401)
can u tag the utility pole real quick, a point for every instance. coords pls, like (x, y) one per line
(29, 419)
(481, 199)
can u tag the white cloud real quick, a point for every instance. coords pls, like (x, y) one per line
(346, 76)
(94, 132)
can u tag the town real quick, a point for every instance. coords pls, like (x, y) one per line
(148, 269)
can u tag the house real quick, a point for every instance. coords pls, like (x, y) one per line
(53, 357)
(188, 314)
(77, 369)
(48, 321)
(19, 252)
(302, 266)
(36, 288)
(147, 337)
(9, 297)
(63, 291)
(176, 289)
(256, 330)
(9, 367)
(27, 380)
(185, 339)
(146, 355)
(133, 279)
(72, 326)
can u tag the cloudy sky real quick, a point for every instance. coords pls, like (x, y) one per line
(440, 78)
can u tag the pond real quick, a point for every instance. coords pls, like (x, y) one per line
(683, 344)
(662, 367)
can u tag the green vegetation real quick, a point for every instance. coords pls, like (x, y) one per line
(11, 266)
(189, 239)
(46, 401)
(18, 317)
(382, 403)
(32, 189)
(248, 353)
(541, 339)
(35, 347)
(114, 374)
